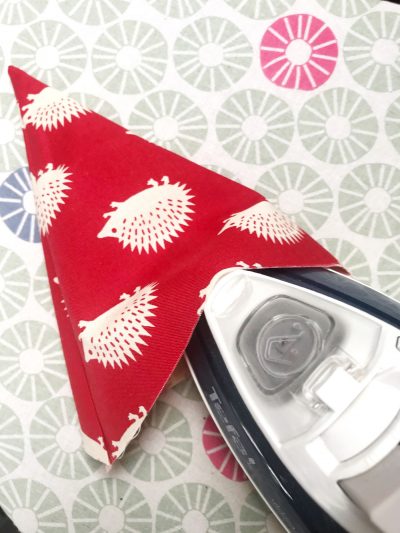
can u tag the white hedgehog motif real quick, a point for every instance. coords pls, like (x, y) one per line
(151, 217)
(114, 337)
(49, 108)
(49, 192)
(267, 221)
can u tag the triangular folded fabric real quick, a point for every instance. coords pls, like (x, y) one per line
(132, 236)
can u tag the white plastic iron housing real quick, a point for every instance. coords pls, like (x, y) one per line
(322, 381)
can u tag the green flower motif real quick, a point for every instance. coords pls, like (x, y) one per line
(111, 505)
(41, 289)
(392, 124)
(93, 11)
(32, 365)
(255, 127)
(299, 192)
(260, 9)
(351, 257)
(346, 8)
(369, 200)
(224, 172)
(192, 507)
(170, 119)
(187, 389)
(337, 126)
(130, 57)
(32, 506)
(12, 150)
(389, 269)
(50, 51)
(163, 449)
(11, 441)
(103, 107)
(255, 517)
(212, 54)
(56, 440)
(21, 11)
(372, 51)
(14, 283)
(178, 8)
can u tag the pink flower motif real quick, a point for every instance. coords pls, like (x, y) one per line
(298, 52)
(219, 453)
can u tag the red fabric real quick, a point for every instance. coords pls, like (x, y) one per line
(100, 163)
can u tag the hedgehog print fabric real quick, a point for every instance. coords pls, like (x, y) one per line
(151, 217)
(133, 236)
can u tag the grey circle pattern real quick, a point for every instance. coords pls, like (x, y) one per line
(21, 11)
(50, 51)
(392, 124)
(388, 269)
(350, 256)
(369, 200)
(41, 289)
(255, 127)
(372, 51)
(32, 506)
(93, 12)
(212, 54)
(14, 282)
(130, 57)
(12, 443)
(337, 126)
(100, 106)
(12, 148)
(178, 8)
(111, 504)
(32, 364)
(56, 442)
(299, 192)
(261, 9)
(170, 119)
(346, 8)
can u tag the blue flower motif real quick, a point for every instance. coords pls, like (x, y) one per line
(17, 206)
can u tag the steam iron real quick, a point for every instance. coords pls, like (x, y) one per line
(300, 369)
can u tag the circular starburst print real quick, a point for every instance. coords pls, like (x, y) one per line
(14, 283)
(255, 127)
(369, 200)
(50, 51)
(177, 8)
(372, 51)
(223, 172)
(219, 454)
(389, 270)
(260, 9)
(41, 289)
(12, 151)
(111, 505)
(212, 54)
(255, 517)
(337, 126)
(191, 507)
(32, 506)
(392, 123)
(351, 257)
(170, 119)
(11, 441)
(32, 365)
(348, 8)
(56, 440)
(100, 106)
(93, 11)
(20, 11)
(299, 192)
(17, 205)
(163, 449)
(130, 57)
(298, 52)
(187, 389)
